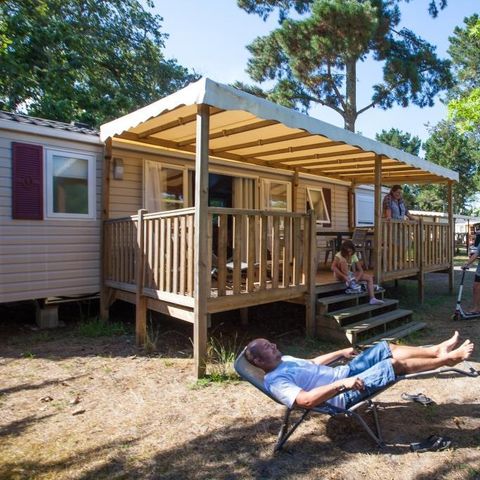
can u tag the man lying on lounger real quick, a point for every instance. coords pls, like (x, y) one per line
(308, 383)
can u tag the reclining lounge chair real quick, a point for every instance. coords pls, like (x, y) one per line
(255, 376)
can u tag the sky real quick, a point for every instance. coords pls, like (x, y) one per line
(210, 36)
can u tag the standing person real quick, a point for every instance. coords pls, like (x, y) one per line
(393, 205)
(347, 268)
(476, 282)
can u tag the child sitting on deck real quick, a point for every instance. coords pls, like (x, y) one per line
(347, 268)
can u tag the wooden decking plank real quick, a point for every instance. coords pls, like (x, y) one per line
(372, 322)
(394, 334)
(359, 309)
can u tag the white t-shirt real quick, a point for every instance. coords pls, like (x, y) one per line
(295, 374)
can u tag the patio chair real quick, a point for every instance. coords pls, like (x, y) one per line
(255, 376)
(359, 239)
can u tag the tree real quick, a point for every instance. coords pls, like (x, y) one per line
(448, 147)
(83, 60)
(313, 59)
(408, 143)
(402, 140)
(464, 106)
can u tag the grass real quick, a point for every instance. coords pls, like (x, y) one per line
(95, 327)
(221, 354)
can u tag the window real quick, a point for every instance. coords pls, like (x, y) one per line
(165, 187)
(276, 195)
(320, 201)
(364, 210)
(70, 179)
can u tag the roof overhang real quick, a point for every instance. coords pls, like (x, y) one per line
(249, 129)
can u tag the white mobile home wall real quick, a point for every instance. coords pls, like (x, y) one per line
(50, 257)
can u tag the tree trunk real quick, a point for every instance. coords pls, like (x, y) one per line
(350, 114)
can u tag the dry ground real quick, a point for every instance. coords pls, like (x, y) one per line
(73, 407)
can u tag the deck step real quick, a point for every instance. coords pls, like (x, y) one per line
(329, 288)
(394, 334)
(343, 297)
(377, 320)
(356, 310)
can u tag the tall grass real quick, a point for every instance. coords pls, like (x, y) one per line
(95, 327)
(221, 354)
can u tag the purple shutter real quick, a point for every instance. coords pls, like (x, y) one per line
(27, 181)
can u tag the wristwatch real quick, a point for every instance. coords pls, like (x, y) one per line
(341, 388)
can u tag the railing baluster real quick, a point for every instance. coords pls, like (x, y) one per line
(183, 252)
(262, 271)
(222, 254)
(190, 256)
(175, 265)
(251, 254)
(286, 252)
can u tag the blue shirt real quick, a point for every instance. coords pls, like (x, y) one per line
(295, 374)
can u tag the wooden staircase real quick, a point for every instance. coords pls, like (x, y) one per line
(341, 316)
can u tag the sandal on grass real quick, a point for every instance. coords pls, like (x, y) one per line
(434, 443)
(418, 397)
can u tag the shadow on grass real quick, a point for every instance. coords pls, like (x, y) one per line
(37, 386)
(19, 426)
(243, 449)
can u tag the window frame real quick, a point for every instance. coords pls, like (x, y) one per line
(266, 183)
(309, 199)
(91, 184)
(170, 166)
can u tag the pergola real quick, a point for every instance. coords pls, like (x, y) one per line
(209, 119)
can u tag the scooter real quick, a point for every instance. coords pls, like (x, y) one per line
(460, 313)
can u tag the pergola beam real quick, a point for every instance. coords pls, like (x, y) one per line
(228, 132)
(179, 122)
(319, 156)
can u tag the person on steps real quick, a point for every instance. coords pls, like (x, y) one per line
(347, 268)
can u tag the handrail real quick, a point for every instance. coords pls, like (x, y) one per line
(258, 213)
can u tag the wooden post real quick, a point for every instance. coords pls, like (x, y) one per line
(421, 260)
(140, 299)
(311, 296)
(105, 292)
(377, 234)
(201, 241)
(351, 206)
(451, 242)
(295, 191)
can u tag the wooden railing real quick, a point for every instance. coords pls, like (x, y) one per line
(255, 250)
(400, 245)
(409, 247)
(437, 244)
(121, 250)
(250, 251)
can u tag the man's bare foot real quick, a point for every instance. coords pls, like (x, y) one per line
(448, 345)
(461, 353)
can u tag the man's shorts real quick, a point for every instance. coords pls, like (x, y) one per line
(374, 367)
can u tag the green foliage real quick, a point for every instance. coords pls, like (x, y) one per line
(313, 59)
(448, 147)
(401, 140)
(83, 60)
(464, 106)
(465, 111)
(221, 354)
(410, 144)
(97, 328)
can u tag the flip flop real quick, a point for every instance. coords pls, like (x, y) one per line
(434, 443)
(419, 397)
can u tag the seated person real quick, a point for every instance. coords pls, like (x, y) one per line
(347, 268)
(308, 383)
